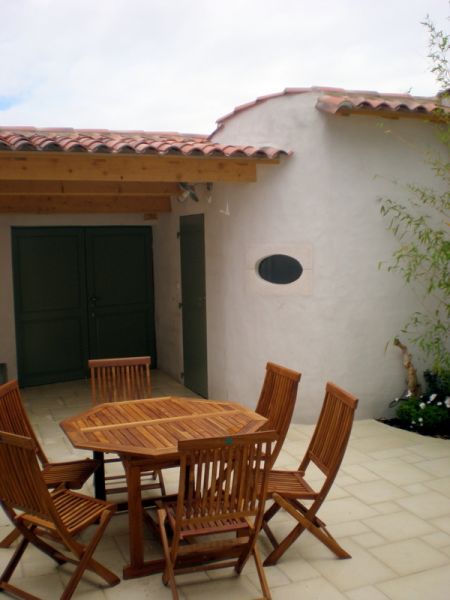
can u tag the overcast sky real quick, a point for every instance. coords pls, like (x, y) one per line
(178, 65)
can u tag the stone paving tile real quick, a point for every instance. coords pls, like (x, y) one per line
(230, 586)
(362, 569)
(433, 584)
(367, 592)
(368, 540)
(409, 556)
(398, 472)
(440, 485)
(416, 488)
(442, 523)
(399, 526)
(389, 508)
(311, 589)
(427, 505)
(385, 508)
(439, 467)
(439, 539)
(359, 472)
(371, 492)
(345, 509)
(432, 448)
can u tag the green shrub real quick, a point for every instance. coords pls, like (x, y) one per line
(430, 412)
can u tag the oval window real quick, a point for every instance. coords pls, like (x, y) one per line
(280, 268)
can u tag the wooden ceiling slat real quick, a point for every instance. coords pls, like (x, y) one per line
(89, 188)
(84, 204)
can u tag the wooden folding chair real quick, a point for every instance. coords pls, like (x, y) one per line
(14, 419)
(114, 380)
(222, 488)
(37, 514)
(277, 401)
(326, 450)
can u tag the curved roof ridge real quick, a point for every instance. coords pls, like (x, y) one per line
(335, 92)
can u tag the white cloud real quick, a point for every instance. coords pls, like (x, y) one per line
(181, 64)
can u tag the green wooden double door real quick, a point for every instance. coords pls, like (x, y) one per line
(81, 292)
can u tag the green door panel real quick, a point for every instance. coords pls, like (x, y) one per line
(122, 333)
(50, 303)
(120, 292)
(52, 350)
(193, 292)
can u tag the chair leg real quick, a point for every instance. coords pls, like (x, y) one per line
(269, 514)
(9, 539)
(86, 561)
(159, 474)
(318, 529)
(40, 544)
(168, 576)
(261, 574)
(314, 525)
(11, 566)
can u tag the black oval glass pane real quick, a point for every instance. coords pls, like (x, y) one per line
(280, 268)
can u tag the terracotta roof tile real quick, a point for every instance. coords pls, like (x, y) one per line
(123, 142)
(396, 105)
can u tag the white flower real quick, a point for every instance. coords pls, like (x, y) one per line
(432, 397)
(420, 420)
(422, 405)
(439, 404)
(447, 402)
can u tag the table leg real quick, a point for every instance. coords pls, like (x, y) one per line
(99, 476)
(135, 518)
(137, 567)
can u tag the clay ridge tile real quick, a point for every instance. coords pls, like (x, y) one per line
(372, 103)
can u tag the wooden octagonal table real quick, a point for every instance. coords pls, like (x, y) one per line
(145, 433)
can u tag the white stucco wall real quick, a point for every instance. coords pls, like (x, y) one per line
(322, 201)
(319, 205)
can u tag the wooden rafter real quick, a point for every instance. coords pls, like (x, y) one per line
(50, 182)
(120, 168)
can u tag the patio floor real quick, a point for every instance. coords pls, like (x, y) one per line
(389, 507)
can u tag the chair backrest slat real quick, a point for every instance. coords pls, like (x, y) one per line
(220, 478)
(277, 401)
(21, 483)
(14, 418)
(117, 379)
(332, 432)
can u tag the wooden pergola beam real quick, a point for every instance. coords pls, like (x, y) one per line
(122, 168)
(84, 204)
(91, 188)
